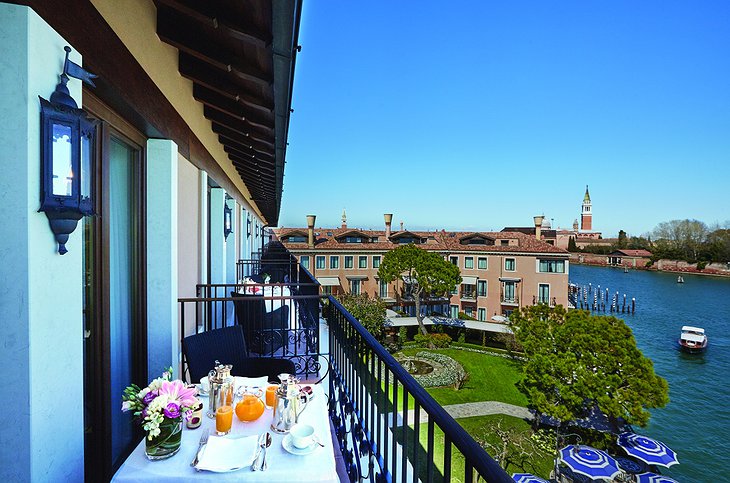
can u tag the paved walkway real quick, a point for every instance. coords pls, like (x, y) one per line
(467, 410)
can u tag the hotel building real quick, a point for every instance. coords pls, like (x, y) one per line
(500, 271)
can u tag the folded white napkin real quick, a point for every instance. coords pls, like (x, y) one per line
(223, 454)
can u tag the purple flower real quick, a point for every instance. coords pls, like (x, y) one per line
(149, 397)
(172, 411)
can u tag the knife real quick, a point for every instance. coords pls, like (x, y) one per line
(261, 442)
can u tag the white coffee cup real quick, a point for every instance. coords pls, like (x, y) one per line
(205, 384)
(302, 435)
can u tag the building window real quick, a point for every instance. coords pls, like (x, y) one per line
(455, 290)
(320, 262)
(297, 239)
(469, 311)
(376, 261)
(543, 293)
(504, 243)
(481, 288)
(469, 262)
(454, 311)
(509, 292)
(509, 264)
(482, 263)
(334, 262)
(349, 260)
(482, 314)
(383, 289)
(304, 261)
(552, 266)
(353, 239)
(355, 287)
(454, 260)
(327, 290)
(362, 261)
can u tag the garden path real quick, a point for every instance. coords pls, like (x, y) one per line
(481, 408)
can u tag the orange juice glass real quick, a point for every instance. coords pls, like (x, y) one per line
(223, 420)
(271, 395)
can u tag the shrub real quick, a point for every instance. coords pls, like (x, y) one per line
(464, 316)
(370, 312)
(402, 335)
(434, 340)
(462, 336)
(701, 265)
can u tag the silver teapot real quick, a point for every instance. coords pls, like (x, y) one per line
(289, 403)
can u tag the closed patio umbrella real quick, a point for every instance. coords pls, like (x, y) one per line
(527, 478)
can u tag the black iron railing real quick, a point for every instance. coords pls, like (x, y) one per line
(388, 427)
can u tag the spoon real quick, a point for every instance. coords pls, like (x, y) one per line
(316, 440)
(265, 466)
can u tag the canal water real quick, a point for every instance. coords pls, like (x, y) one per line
(696, 422)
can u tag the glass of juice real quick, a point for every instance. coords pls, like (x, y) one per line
(223, 420)
(271, 395)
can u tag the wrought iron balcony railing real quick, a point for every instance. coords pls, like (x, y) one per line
(388, 427)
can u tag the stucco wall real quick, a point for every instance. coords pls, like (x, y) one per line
(188, 234)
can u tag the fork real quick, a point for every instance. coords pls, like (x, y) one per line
(203, 441)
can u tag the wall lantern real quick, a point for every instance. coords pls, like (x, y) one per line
(248, 226)
(68, 144)
(227, 220)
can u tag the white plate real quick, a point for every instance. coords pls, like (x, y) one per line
(287, 444)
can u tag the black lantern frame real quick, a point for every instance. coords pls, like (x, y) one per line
(248, 226)
(227, 220)
(68, 153)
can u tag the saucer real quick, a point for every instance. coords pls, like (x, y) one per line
(289, 446)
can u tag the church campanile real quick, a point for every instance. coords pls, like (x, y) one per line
(586, 216)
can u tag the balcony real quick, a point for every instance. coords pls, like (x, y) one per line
(388, 428)
(510, 299)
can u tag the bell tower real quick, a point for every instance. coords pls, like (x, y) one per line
(586, 216)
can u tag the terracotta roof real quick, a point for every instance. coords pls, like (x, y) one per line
(633, 253)
(444, 241)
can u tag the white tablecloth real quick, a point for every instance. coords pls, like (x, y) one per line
(284, 467)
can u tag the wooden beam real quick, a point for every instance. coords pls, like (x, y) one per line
(188, 37)
(230, 107)
(236, 124)
(244, 138)
(236, 159)
(205, 12)
(254, 154)
(201, 73)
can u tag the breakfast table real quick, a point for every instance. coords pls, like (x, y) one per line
(283, 466)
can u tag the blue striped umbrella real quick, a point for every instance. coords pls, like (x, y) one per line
(653, 478)
(649, 450)
(527, 478)
(590, 462)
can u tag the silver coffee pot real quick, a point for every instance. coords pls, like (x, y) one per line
(221, 387)
(289, 403)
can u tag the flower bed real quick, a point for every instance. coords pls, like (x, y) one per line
(446, 371)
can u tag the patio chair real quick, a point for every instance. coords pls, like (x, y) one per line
(265, 332)
(228, 346)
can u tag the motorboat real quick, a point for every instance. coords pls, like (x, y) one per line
(680, 279)
(693, 339)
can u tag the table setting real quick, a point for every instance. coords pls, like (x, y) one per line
(244, 429)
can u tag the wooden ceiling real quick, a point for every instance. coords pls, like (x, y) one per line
(240, 56)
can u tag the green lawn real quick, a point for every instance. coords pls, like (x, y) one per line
(491, 378)
(478, 427)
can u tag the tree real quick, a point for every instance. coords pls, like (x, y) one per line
(515, 449)
(576, 360)
(572, 247)
(423, 273)
(370, 312)
(622, 242)
(685, 236)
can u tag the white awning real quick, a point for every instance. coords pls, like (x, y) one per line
(468, 280)
(689, 328)
(329, 281)
(510, 279)
(357, 277)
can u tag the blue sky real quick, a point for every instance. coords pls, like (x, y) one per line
(478, 115)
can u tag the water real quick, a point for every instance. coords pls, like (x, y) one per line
(696, 422)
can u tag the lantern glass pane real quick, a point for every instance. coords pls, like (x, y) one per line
(62, 169)
(86, 150)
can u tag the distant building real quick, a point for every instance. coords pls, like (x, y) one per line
(500, 271)
(583, 236)
(628, 258)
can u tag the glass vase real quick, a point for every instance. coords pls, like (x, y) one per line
(165, 444)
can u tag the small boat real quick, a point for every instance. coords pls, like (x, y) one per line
(693, 340)
(680, 279)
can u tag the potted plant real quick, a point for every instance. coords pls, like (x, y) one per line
(160, 408)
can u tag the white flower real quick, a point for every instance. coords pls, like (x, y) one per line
(143, 392)
(126, 406)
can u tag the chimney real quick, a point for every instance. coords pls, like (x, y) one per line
(388, 221)
(538, 226)
(310, 230)
(401, 226)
